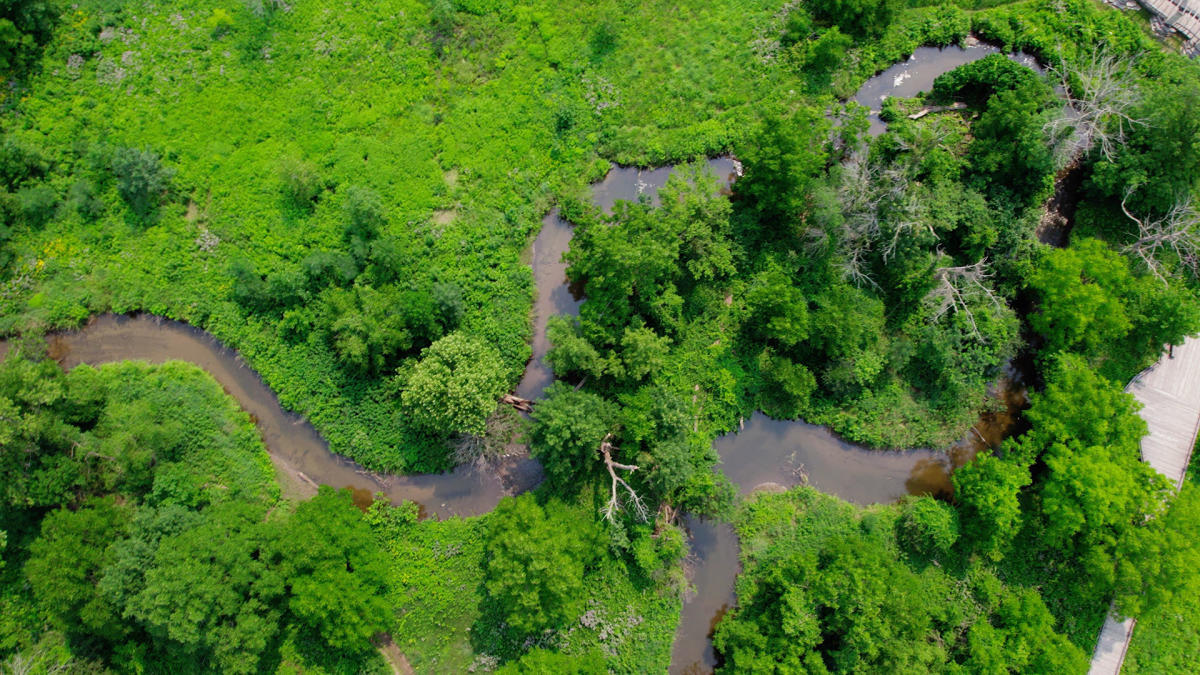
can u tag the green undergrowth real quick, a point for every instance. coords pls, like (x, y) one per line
(880, 589)
(145, 446)
(445, 622)
(1167, 638)
(468, 124)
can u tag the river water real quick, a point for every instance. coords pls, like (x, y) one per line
(765, 454)
(916, 74)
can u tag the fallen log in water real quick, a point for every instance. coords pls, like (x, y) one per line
(936, 109)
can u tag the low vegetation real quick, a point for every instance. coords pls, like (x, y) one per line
(344, 195)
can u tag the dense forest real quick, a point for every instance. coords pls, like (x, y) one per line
(347, 193)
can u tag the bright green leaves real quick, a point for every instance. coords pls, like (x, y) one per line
(1091, 304)
(987, 494)
(537, 563)
(1080, 289)
(455, 386)
(335, 569)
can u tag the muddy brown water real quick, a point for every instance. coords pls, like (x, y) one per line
(301, 456)
(916, 74)
(765, 454)
(774, 455)
(554, 295)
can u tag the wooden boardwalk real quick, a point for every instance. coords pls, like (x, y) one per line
(1170, 393)
(1181, 15)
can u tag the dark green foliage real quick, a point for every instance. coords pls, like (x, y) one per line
(142, 179)
(364, 220)
(826, 590)
(212, 592)
(976, 82)
(862, 18)
(1159, 164)
(779, 310)
(37, 204)
(159, 553)
(83, 199)
(782, 164)
(1008, 153)
(788, 386)
(336, 573)
(568, 426)
(25, 27)
(537, 563)
(927, 527)
(65, 567)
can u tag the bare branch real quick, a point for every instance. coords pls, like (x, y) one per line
(867, 193)
(614, 502)
(1098, 113)
(958, 287)
(1177, 231)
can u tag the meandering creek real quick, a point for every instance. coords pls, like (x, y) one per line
(916, 74)
(765, 454)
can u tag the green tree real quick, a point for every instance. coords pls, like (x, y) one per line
(778, 310)
(335, 571)
(537, 561)
(300, 182)
(1096, 493)
(782, 163)
(1162, 157)
(455, 386)
(862, 18)
(1080, 407)
(142, 178)
(1159, 564)
(211, 592)
(848, 607)
(65, 566)
(37, 467)
(568, 427)
(570, 352)
(1008, 152)
(364, 220)
(978, 81)
(1080, 293)
(927, 527)
(986, 491)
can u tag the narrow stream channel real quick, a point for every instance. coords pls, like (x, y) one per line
(916, 74)
(765, 454)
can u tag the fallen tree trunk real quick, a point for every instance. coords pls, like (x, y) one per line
(936, 109)
(522, 404)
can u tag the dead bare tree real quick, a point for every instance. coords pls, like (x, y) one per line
(1177, 231)
(614, 502)
(958, 287)
(1099, 113)
(867, 193)
(502, 429)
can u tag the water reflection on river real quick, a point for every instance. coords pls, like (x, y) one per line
(917, 73)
